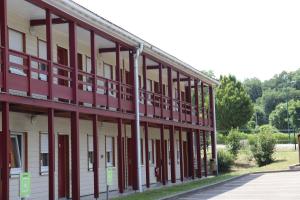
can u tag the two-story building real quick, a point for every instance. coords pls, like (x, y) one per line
(80, 94)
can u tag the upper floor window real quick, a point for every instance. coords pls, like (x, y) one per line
(44, 153)
(90, 152)
(109, 149)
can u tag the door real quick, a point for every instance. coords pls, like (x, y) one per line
(63, 166)
(129, 155)
(185, 159)
(62, 58)
(158, 160)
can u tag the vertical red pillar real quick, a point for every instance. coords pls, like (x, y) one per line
(197, 101)
(94, 67)
(147, 155)
(202, 104)
(49, 53)
(120, 158)
(73, 60)
(134, 156)
(170, 91)
(4, 43)
(75, 155)
(96, 156)
(181, 154)
(5, 151)
(179, 95)
(190, 98)
(172, 156)
(198, 150)
(205, 153)
(163, 156)
(51, 146)
(191, 153)
(212, 117)
(145, 84)
(118, 75)
(161, 91)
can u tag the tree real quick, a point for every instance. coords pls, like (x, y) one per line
(233, 104)
(253, 87)
(209, 73)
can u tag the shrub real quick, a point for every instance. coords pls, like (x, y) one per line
(225, 160)
(221, 138)
(283, 138)
(263, 148)
(233, 141)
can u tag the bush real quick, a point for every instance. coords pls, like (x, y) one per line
(283, 138)
(263, 148)
(221, 138)
(233, 141)
(225, 160)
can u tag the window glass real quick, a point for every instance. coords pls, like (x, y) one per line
(109, 141)
(178, 151)
(90, 153)
(44, 153)
(15, 157)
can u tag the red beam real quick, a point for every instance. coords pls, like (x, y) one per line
(41, 22)
(4, 43)
(5, 151)
(49, 53)
(205, 153)
(163, 156)
(172, 156)
(96, 157)
(180, 79)
(51, 146)
(120, 158)
(153, 66)
(181, 154)
(111, 50)
(147, 155)
(75, 155)
(198, 150)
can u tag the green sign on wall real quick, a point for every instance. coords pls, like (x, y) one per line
(25, 185)
(109, 175)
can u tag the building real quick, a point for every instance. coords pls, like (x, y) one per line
(72, 84)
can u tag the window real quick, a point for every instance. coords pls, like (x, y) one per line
(89, 70)
(107, 73)
(90, 148)
(178, 151)
(44, 153)
(16, 43)
(42, 53)
(151, 151)
(15, 157)
(109, 149)
(150, 89)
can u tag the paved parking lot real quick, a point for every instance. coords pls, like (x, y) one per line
(268, 186)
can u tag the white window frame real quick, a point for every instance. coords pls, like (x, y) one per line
(19, 151)
(90, 151)
(44, 150)
(109, 148)
(150, 151)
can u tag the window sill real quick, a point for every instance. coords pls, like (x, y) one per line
(44, 173)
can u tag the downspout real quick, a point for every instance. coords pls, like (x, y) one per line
(215, 131)
(137, 113)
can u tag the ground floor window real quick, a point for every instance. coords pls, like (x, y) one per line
(90, 152)
(109, 149)
(15, 157)
(44, 153)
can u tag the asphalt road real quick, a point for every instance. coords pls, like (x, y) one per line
(268, 186)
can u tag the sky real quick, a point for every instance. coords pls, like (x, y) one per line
(246, 38)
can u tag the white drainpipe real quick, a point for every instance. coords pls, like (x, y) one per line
(137, 113)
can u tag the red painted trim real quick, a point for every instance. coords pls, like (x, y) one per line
(170, 91)
(191, 153)
(51, 146)
(205, 153)
(161, 91)
(198, 150)
(110, 50)
(147, 155)
(120, 158)
(196, 81)
(118, 75)
(202, 104)
(5, 149)
(172, 156)
(41, 22)
(163, 155)
(96, 156)
(94, 67)
(179, 96)
(145, 85)
(26, 151)
(4, 42)
(75, 155)
(180, 151)
(73, 59)
(190, 99)
(134, 156)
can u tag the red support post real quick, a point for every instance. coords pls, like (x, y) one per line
(5, 150)
(212, 113)
(29, 92)
(134, 156)
(4, 43)
(198, 150)
(179, 96)
(147, 155)
(170, 91)
(120, 158)
(51, 146)
(181, 154)
(118, 76)
(73, 59)
(191, 153)
(190, 99)
(96, 156)
(161, 91)
(197, 100)
(205, 153)
(75, 155)
(163, 156)
(172, 156)
(145, 85)
(49, 53)
(202, 104)
(94, 67)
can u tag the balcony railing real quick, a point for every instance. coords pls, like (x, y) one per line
(28, 76)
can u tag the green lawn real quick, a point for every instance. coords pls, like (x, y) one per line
(244, 164)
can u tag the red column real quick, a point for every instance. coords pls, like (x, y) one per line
(161, 91)
(73, 59)
(205, 154)
(75, 155)
(202, 104)
(94, 67)
(212, 113)
(134, 157)
(179, 95)
(96, 156)
(170, 91)
(147, 155)
(4, 42)
(51, 146)
(120, 158)
(191, 153)
(118, 75)
(198, 150)
(197, 100)
(181, 154)
(5, 151)
(145, 84)
(49, 53)
(190, 99)
(172, 156)
(163, 156)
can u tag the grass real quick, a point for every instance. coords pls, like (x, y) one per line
(244, 164)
